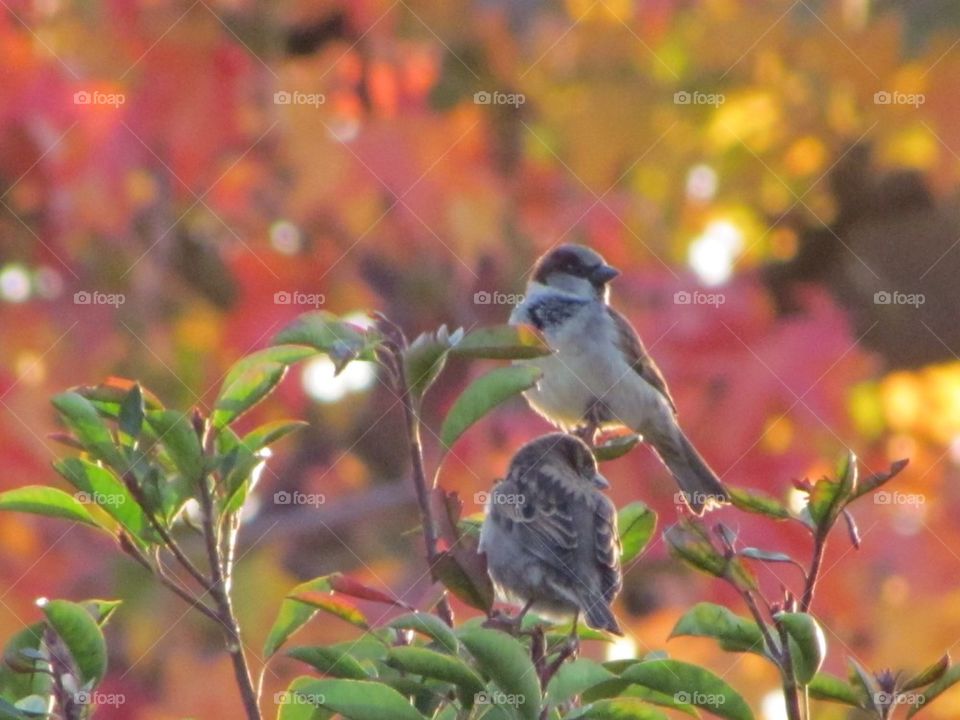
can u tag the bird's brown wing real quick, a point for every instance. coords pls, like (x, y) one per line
(545, 520)
(637, 357)
(608, 548)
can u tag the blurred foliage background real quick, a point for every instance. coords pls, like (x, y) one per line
(780, 165)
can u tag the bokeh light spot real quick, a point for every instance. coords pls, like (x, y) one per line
(320, 383)
(713, 253)
(14, 283)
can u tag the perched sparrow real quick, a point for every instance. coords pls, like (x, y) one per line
(600, 373)
(551, 536)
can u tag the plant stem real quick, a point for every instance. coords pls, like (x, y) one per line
(819, 546)
(791, 691)
(168, 541)
(218, 589)
(183, 593)
(761, 623)
(412, 425)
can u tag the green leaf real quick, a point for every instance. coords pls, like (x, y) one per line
(867, 684)
(766, 555)
(34, 706)
(432, 664)
(484, 394)
(285, 355)
(946, 681)
(429, 625)
(269, 433)
(237, 466)
(11, 712)
(573, 678)
(636, 523)
(292, 706)
(24, 653)
(734, 633)
(294, 614)
(617, 447)
(834, 689)
(359, 699)
(689, 541)
(245, 391)
(100, 486)
(617, 709)
(48, 501)
(847, 474)
(425, 358)
(808, 646)
(131, 412)
(505, 661)
(82, 636)
(323, 331)
(463, 571)
(328, 602)
(178, 437)
(502, 342)
(108, 396)
(875, 481)
(89, 428)
(758, 503)
(101, 610)
(828, 496)
(330, 661)
(928, 675)
(690, 684)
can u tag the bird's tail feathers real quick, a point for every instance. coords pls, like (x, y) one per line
(600, 617)
(700, 488)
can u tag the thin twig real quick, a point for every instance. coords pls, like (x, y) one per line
(183, 593)
(791, 691)
(167, 538)
(819, 546)
(241, 668)
(761, 623)
(412, 427)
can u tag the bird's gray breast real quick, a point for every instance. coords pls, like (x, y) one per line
(585, 365)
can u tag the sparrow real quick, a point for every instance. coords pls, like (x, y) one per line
(550, 535)
(600, 374)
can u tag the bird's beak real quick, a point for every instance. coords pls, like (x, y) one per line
(600, 481)
(604, 274)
